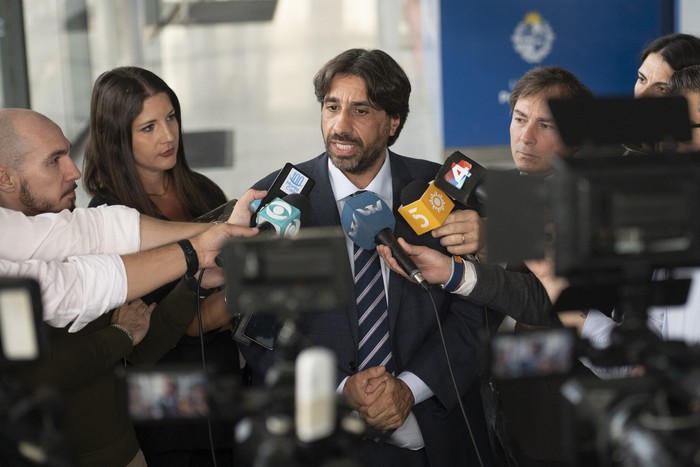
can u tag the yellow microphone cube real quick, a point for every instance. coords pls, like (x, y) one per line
(429, 211)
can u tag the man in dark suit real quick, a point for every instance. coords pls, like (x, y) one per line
(364, 98)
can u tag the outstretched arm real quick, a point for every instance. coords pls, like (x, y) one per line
(518, 294)
(148, 270)
(155, 232)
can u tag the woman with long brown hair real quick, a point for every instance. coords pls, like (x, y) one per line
(135, 156)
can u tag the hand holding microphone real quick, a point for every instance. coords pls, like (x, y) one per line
(462, 233)
(368, 221)
(460, 179)
(434, 265)
(428, 209)
(241, 213)
(281, 217)
(233, 211)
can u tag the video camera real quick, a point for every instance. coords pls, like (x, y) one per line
(30, 432)
(612, 223)
(22, 340)
(295, 419)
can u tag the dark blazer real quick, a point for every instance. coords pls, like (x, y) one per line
(518, 294)
(415, 338)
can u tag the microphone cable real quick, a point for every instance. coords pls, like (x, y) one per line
(204, 361)
(454, 381)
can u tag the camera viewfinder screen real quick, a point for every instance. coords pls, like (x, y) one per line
(167, 395)
(532, 354)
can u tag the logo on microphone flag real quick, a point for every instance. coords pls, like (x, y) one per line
(429, 211)
(461, 171)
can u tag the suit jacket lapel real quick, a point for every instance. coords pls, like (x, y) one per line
(400, 177)
(324, 212)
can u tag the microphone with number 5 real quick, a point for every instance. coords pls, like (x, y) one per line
(424, 208)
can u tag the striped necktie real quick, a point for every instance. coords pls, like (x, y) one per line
(375, 346)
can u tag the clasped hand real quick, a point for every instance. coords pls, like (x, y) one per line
(382, 400)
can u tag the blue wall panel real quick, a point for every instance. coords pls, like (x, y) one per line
(598, 40)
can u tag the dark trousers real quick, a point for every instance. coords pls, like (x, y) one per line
(387, 455)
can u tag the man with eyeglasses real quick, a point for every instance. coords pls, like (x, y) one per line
(686, 83)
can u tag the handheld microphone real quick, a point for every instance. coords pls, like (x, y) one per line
(368, 221)
(424, 209)
(278, 217)
(284, 217)
(314, 394)
(462, 179)
(290, 180)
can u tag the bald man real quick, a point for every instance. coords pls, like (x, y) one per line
(75, 256)
(37, 173)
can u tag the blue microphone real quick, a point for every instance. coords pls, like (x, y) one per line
(368, 221)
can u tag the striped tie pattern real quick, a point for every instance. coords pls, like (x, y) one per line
(375, 347)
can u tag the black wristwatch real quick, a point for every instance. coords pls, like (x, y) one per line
(190, 257)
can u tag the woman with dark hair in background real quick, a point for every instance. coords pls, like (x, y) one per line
(135, 157)
(660, 60)
(663, 57)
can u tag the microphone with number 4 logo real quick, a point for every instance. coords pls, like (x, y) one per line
(461, 179)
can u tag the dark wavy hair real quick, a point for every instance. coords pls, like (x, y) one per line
(678, 50)
(388, 87)
(685, 80)
(109, 169)
(549, 79)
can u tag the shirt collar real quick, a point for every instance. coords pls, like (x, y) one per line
(380, 184)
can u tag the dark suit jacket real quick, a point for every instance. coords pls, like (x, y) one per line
(415, 339)
(518, 294)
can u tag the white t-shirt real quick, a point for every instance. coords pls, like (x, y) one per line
(678, 323)
(682, 322)
(73, 256)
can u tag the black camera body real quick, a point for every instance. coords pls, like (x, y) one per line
(611, 223)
